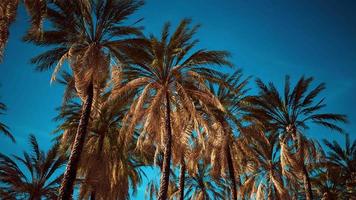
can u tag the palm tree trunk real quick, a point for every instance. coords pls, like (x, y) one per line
(167, 153)
(230, 162)
(181, 178)
(306, 179)
(66, 190)
(307, 185)
(231, 173)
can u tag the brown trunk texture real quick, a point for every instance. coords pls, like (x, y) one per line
(231, 173)
(66, 190)
(162, 195)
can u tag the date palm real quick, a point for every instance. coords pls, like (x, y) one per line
(342, 161)
(3, 128)
(107, 170)
(41, 179)
(231, 95)
(90, 35)
(170, 75)
(292, 111)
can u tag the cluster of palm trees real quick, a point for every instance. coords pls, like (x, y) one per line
(132, 101)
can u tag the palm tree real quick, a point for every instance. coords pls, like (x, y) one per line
(231, 95)
(119, 169)
(170, 76)
(90, 35)
(39, 181)
(290, 114)
(3, 128)
(342, 161)
(263, 170)
(8, 10)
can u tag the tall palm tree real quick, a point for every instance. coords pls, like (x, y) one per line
(90, 35)
(169, 74)
(231, 95)
(3, 128)
(119, 169)
(343, 161)
(292, 111)
(41, 179)
(108, 170)
(8, 10)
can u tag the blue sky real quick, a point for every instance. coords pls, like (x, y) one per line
(268, 39)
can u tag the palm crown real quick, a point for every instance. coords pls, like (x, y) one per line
(42, 178)
(88, 34)
(166, 70)
(292, 110)
(343, 161)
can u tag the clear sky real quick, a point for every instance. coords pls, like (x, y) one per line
(267, 38)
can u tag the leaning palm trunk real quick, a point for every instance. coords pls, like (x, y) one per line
(182, 178)
(231, 173)
(66, 190)
(167, 153)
